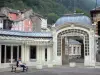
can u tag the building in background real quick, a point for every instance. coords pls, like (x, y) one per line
(26, 20)
(5, 22)
(74, 49)
(95, 16)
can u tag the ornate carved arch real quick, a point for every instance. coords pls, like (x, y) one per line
(73, 31)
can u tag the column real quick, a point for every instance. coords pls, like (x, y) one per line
(72, 49)
(43, 54)
(11, 53)
(27, 50)
(40, 53)
(17, 52)
(49, 56)
(22, 53)
(92, 52)
(90, 59)
(75, 50)
(25, 54)
(86, 56)
(80, 50)
(55, 57)
(39, 57)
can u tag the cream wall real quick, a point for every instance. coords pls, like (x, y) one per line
(76, 49)
(89, 60)
(49, 54)
(40, 56)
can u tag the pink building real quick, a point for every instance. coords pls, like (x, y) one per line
(27, 20)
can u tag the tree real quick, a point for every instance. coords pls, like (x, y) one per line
(81, 11)
(52, 17)
(1, 3)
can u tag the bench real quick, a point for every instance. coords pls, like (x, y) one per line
(14, 68)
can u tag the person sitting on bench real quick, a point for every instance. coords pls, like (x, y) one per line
(20, 64)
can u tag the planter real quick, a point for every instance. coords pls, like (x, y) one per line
(72, 64)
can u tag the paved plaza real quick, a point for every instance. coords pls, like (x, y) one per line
(61, 70)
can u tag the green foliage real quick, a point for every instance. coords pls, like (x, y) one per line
(81, 11)
(52, 17)
(1, 3)
(85, 5)
(15, 4)
(51, 9)
(46, 6)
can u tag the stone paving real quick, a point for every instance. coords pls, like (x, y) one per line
(60, 70)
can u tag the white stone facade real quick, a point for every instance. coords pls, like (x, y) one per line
(74, 51)
(89, 56)
(41, 45)
(48, 51)
(51, 45)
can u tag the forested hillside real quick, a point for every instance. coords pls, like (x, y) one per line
(52, 9)
(85, 5)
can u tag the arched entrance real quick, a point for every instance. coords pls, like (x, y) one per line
(73, 49)
(62, 43)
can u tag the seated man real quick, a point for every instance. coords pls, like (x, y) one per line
(19, 63)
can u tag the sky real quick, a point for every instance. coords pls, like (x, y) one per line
(98, 1)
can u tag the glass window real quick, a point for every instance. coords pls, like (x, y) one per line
(15, 53)
(2, 53)
(8, 54)
(74, 50)
(32, 52)
(46, 54)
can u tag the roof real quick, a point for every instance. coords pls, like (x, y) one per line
(74, 42)
(1, 14)
(25, 34)
(95, 11)
(74, 18)
(97, 8)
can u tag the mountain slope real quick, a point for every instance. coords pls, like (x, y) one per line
(46, 6)
(51, 8)
(85, 5)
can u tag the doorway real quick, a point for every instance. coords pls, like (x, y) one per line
(98, 28)
(72, 50)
